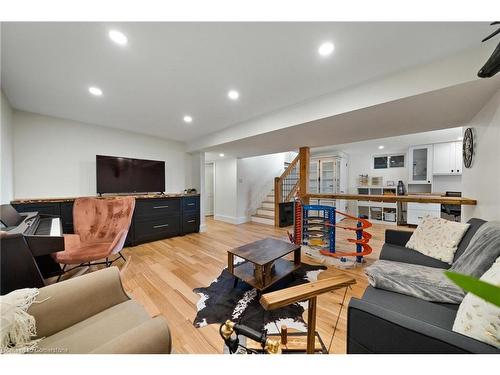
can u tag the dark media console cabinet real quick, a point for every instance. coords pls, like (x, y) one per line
(155, 217)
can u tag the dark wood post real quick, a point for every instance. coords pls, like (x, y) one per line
(277, 200)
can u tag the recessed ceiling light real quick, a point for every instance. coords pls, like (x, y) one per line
(380, 147)
(188, 119)
(118, 37)
(326, 48)
(233, 94)
(95, 91)
(221, 155)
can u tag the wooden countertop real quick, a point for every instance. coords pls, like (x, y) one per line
(416, 198)
(71, 199)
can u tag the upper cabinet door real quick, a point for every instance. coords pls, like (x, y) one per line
(458, 157)
(313, 177)
(447, 158)
(443, 163)
(420, 164)
(328, 176)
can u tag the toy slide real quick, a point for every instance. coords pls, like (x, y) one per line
(361, 240)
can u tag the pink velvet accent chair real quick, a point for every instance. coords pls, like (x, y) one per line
(101, 227)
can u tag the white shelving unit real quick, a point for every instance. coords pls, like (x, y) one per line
(377, 212)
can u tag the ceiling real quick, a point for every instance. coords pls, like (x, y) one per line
(394, 144)
(169, 70)
(449, 107)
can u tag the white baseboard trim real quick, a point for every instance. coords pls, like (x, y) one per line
(203, 227)
(232, 219)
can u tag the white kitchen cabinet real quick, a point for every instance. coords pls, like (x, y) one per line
(447, 158)
(458, 157)
(420, 164)
(417, 211)
(328, 175)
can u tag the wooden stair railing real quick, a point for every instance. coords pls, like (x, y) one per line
(281, 183)
(288, 184)
(303, 292)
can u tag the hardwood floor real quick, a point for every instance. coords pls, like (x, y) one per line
(161, 275)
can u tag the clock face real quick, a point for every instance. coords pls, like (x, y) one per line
(468, 147)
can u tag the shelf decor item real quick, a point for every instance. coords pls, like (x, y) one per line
(468, 147)
(363, 180)
(377, 181)
(390, 183)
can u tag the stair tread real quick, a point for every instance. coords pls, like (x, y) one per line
(263, 216)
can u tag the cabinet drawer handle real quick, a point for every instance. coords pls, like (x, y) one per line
(160, 226)
(191, 221)
(160, 207)
(420, 217)
(190, 204)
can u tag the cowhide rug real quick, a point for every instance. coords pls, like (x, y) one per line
(220, 301)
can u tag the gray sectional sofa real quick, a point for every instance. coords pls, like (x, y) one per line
(389, 322)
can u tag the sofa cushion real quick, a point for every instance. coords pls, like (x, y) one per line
(477, 318)
(434, 320)
(402, 254)
(481, 252)
(428, 283)
(474, 225)
(437, 238)
(97, 330)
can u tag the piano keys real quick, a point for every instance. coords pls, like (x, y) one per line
(28, 238)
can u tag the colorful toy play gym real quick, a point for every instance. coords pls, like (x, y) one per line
(315, 226)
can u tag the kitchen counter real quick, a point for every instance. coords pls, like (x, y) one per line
(71, 199)
(416, 198)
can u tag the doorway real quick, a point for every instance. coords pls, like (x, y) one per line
(209, 188)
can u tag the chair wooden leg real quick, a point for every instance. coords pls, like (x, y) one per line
(311, 325)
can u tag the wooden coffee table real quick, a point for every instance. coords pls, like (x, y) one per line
(264, 264)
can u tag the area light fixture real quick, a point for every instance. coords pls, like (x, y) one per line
(381, 147)
(96, 91)
(233, 94)
(221, 155)
(326, 49)
(188, 119)
(118, 37)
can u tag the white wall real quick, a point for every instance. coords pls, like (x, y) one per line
(242, 184)
(255, 180)
(55, 157)
(226, 194)
(362, 163)
(482, 180)
(442, 184)
(6, 152)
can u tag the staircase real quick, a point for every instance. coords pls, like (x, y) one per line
(287, 184)
(265, 213)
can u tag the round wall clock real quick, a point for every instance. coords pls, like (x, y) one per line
(468, 147)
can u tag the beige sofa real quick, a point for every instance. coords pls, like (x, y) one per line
(93, 314)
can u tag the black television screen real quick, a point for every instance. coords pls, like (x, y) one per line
(125, 175)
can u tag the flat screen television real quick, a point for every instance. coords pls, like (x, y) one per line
(126, 175)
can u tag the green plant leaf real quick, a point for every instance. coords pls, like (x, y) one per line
(486, 291)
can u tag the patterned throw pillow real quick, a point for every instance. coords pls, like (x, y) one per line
(437, 238)
(477, 318)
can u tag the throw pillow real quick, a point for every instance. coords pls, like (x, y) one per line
(483, 249)
(437, 238)
(17, 326)
(477, 318)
